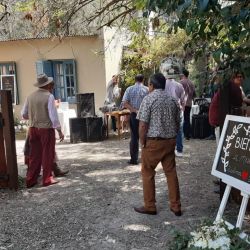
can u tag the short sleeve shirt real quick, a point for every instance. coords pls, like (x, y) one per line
(162, 114)
(189, 91)
(135, 94)
(175, 89)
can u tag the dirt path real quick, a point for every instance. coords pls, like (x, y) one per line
(92, 208)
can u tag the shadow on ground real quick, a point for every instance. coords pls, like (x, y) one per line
(92, 208)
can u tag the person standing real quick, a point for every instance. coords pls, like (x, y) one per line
(132, 99)
(39, 108)
(190, 94)
(228, 100)
(159, 117)
(113, 93)
(176, 90)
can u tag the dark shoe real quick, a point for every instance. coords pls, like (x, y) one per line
(50, 183)
(187, 138)
(216, 182)
(58, 172)
(211, 137)
(178, 213)
(31, 185)
(142, 210)
(132, 162)
(217, 190)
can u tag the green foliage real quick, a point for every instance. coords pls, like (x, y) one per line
(223, 30)
(180, 240)
(21, 182)
(145, 53)
(24, 6)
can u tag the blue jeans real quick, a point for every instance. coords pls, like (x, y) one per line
(134, 141)
(179, 137)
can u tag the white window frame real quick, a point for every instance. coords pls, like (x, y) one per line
(15, 87)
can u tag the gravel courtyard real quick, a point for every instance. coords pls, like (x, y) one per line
(92, 208)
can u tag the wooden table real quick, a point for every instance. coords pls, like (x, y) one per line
(117, 114)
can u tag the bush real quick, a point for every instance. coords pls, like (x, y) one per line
(20, 125)
(208, 236)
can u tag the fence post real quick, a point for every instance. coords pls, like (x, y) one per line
(9, 138)
(3, 166)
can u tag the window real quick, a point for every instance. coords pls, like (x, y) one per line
(64, 74)
(8, 79)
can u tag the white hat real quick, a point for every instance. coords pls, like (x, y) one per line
(171, 74)
(170, 68)
(43, 80)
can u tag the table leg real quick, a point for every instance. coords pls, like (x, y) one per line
(107, 125)
(119, 126)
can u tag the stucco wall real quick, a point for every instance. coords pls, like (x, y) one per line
(90, 66)
(114, 41)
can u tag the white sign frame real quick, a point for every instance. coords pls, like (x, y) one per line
(231, 181)
(241, 185)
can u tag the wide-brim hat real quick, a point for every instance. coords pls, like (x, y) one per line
(43, 80)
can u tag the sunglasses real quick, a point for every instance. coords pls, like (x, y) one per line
(239, 76)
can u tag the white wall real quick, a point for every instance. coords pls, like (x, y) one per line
(90, 65)
(114, 40)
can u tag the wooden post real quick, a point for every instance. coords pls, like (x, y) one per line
(3, 165)
(9, 138)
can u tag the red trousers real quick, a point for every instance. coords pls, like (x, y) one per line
(160, 151)
(42, 153)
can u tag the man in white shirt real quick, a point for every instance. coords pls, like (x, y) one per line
(40, 110)
(113, 93)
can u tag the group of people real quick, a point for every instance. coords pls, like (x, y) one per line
(160, 115)
(156, 115)
(157, 112)
(228, 99)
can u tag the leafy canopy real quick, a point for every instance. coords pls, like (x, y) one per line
(218, 27)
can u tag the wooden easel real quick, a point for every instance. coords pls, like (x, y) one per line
(241, 214)
(234, 127)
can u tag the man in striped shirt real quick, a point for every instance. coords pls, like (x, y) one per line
(132, 100)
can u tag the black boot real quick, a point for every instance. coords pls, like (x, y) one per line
(58, 172)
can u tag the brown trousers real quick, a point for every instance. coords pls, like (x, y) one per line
(154, 152)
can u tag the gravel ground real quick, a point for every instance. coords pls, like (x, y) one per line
(92, 208)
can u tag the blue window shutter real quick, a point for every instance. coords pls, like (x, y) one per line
(44, 67)
(47, 68)
(39, 67)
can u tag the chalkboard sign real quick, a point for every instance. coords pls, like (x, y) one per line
(8, 82)
(232, 159)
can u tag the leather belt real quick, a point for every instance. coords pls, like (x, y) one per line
(159, 138)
